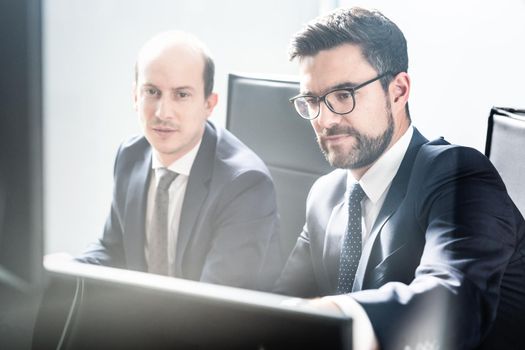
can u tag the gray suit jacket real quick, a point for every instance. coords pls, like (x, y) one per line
(444, 264)
(228, 232)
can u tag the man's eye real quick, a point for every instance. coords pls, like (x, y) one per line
(182, 94)
(151, 91)
(311, 100)
(343, 95)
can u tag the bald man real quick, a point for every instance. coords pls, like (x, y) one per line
(190, 200)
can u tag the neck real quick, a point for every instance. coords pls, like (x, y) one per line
(358, 173)
(398, 133)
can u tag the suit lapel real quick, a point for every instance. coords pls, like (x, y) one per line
(334, 235)
(196, 193)
(135, 214)
(392, 201)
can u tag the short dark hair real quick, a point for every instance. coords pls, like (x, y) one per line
(208, 74)
(381, 41)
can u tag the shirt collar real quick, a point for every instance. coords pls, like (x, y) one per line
(380, 175)
(181, 166)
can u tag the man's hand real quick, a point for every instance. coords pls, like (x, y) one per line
(325, 305)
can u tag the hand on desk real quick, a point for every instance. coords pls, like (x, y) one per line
(327, 305)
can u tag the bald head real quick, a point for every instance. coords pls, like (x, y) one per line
(179, 44)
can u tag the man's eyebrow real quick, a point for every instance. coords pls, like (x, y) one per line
(306, 93)
(345, 85)
(148, 85)
(184, 87)
(177, 88)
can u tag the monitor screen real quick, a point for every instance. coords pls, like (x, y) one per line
(21, 272)
(20, 145)
(94, 307)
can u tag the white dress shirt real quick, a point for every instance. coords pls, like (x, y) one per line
(176, 190)
(375, 182)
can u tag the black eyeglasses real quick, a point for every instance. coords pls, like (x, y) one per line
(340, 101)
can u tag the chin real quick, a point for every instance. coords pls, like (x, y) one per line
(344, 160)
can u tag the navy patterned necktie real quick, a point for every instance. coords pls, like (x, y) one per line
(351, 250)
(158, 242)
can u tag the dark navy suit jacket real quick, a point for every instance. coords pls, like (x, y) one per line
(228, 232)
(445, 261)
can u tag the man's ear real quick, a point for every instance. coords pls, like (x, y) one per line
(134, 95)
(399, 90)
(211, 102)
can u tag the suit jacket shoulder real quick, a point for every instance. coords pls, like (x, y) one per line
(228, 233)
(235, 157)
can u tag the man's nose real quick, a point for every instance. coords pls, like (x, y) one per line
(164, 109)
(326, 117)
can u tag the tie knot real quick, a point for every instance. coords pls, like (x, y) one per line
(166, 177)
(356, 194)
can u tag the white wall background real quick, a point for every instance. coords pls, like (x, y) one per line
(465, 56)
(89, 54)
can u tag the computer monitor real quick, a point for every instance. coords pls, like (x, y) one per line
(260, 114)
(21, 212)
(94, 307)
(20, 145)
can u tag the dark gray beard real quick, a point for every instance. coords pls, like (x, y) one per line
(366, 150)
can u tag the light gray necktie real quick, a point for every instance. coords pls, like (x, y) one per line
(351, 250)
(158, 233)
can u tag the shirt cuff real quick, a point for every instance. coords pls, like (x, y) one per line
(363, 336)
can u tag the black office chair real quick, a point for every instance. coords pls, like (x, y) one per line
(505, 148)
(260, 114)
